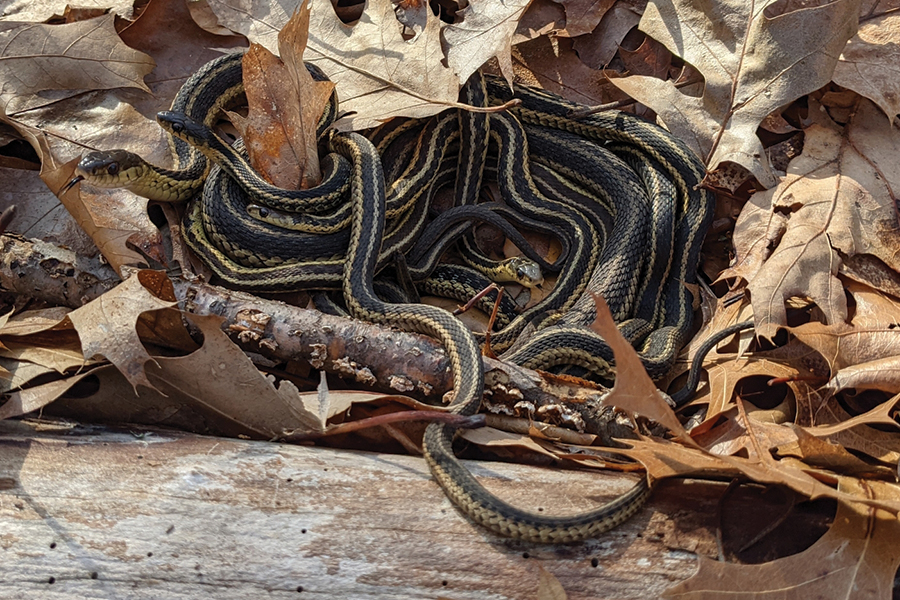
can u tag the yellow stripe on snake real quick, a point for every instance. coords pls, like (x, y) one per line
(621, 194)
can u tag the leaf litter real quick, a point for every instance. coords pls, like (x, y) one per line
(815, 246)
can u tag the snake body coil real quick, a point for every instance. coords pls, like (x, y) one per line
(619, 193)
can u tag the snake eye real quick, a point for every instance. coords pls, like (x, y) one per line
(263, 212)
(113, 168)
(177, 127)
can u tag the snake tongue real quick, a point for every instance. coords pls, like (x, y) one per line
(71, 184)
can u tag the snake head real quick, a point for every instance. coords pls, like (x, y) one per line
(106, 169)
(185, 128)
(527, 272)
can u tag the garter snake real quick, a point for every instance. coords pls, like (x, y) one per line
(614, 230)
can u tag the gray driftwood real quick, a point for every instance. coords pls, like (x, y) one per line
(87, 512)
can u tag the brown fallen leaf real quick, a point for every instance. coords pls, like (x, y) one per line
(86, 55)
(871, 334)
(882, 374)
(220, 378)
(378, 73)
(869, 61)
(493, 438)
(38, 12)
(793, 240)
(817, 451)
(650, 58)
(258, 20)
(553, 64)
(540, 18)
(272, 122)
(864, 353)
(583, 16)
(883, 414)
(311, 95)
(749, 61)
(166, 31)
(285, 105)
(485, 32)
(549, 587)
(597, 48)
(38, 343)
(633, 391)
(32, 321)
(856, 558)
(834, 423)
(45, 351)
(39, 213)
(663, 459)
(15, 374)
(37, 397)
(106, 327)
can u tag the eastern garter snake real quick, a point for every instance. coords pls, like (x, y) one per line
(600, 182)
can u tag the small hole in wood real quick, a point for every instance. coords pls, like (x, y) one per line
(302, 531)
(444, 583)
(52, 545)
(94, 575)
(299, 588)
(51, 580)
(595, 563)
(525, 555)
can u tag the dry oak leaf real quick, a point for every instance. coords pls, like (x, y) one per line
(856, 558)
(180, 47)
(827, 418)
(380, 75)
(864, 354)
(486, 31)
(880, 374)
(582, 16)
(551, 63)
(633, 391)
(87, 55)
(220, 379)
(836, 202)
(664, 458)
(258, 20)
(39, 213)
(15, 374)
(37, 342)
(34, 398)
(752, 64)
(38, 12)
(107, 324)
(598, 48)
(541, 18)
(868, 64)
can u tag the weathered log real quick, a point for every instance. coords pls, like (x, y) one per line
(91, 512)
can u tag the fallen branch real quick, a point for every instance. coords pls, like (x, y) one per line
(378, 357)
